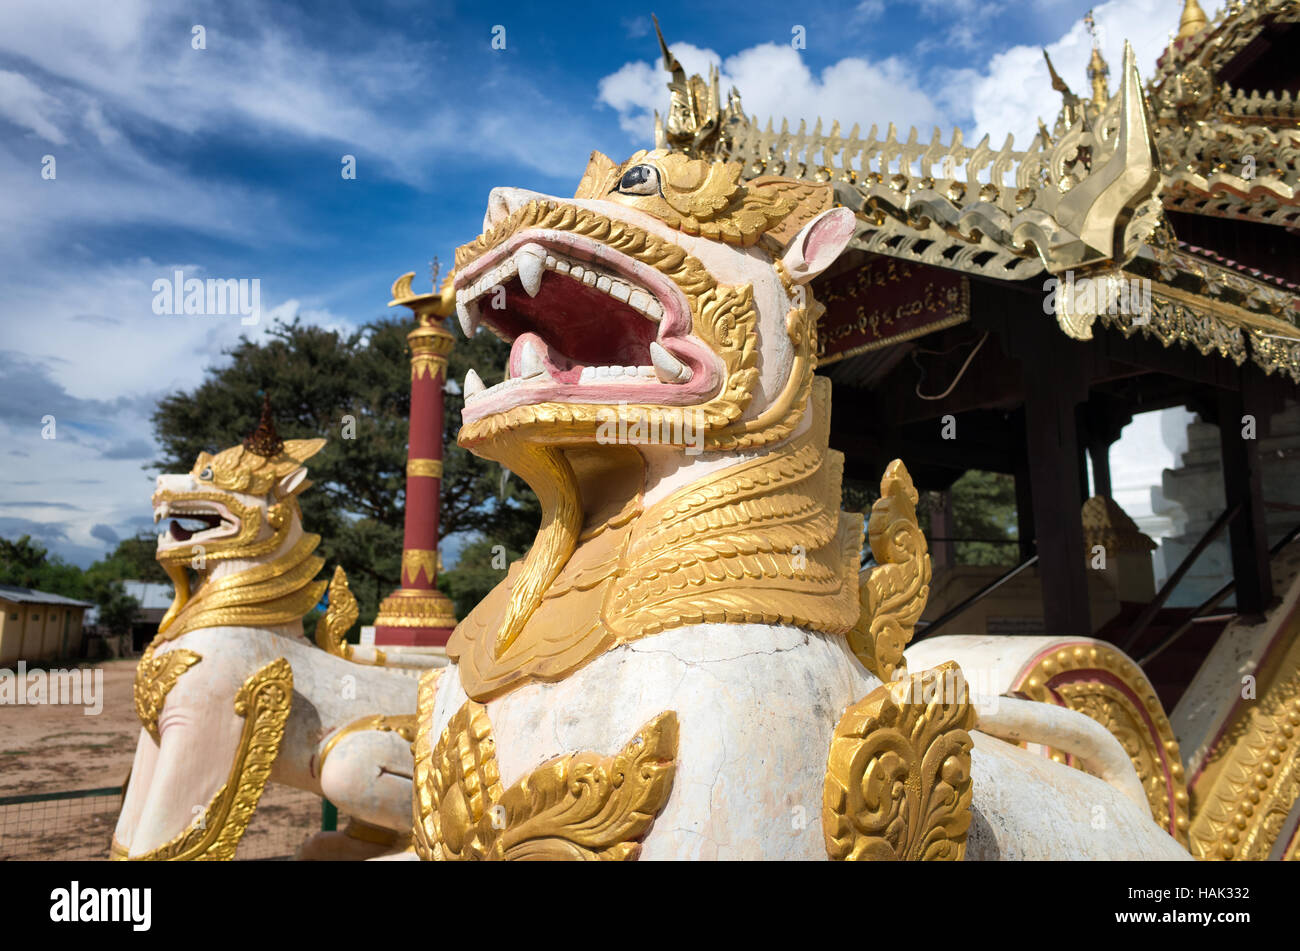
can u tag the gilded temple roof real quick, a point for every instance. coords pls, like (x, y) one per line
(1086, 198)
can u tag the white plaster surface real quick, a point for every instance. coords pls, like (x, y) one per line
(756, 706)
(200, 733)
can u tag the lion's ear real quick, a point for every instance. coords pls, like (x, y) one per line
(300, 450)
(599, 177)
(292, 484)
(807, 200)
(818, 244)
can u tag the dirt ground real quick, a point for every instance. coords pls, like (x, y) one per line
(56, 748)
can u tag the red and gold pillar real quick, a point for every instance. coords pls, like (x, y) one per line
(417, 614)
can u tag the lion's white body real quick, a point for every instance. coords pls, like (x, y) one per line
(756, 706)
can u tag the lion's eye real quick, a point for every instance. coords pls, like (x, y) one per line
(206, 474)
(640, 180)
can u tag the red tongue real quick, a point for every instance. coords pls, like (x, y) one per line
(180, 534)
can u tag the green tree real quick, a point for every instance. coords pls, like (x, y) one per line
(132, 560)
(354, 389)
(984, 507)
(117, 609)
(23, 562)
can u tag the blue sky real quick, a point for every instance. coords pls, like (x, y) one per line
(225, 162)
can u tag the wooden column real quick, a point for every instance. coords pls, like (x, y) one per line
(1055, 384)
(1247, 533)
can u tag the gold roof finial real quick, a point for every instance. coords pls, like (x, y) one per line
(1068, 98)
(264, 441)
(1098, 69)
(1192, 21)
(696, 116)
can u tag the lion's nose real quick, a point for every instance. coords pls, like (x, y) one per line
(503, 202)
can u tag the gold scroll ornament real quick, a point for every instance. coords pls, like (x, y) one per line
(263, 701)
(894, 593)
(582, 806)
(339, 617)
(898, 778)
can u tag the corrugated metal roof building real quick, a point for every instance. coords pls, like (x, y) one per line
(37, 626)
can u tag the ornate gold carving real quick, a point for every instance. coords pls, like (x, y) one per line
(404, 725)
(341, 614)
(117, 852)
(245, 544)
(759, 542)
(278, 592)
(697, 123)
(1064, 212)
(416, 560)
(1101, 682)
(239, 469)
(232, 473)
(416, 607)
(154, 678)
(894, 592)
(1249, 787)
(898, 780)
(580, 806)
(431, 468)
(1108, 525)
(263, 701)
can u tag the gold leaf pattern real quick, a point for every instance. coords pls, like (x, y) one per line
(582, 806)
(894, 593)
(154, 678)
(898, 780)
(339, 616)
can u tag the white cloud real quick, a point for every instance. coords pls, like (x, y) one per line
(1014, 90)
(775, 82)
(26, 105)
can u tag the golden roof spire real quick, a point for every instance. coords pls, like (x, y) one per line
(1098, 69)
(1192, 21)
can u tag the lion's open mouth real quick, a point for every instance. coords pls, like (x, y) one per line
(195, 520)
(586, 324)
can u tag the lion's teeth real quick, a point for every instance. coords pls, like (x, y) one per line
(530, 361)
(473, 384)
(531, 262)
(468, 315)
(620, 291)
(667, 367)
